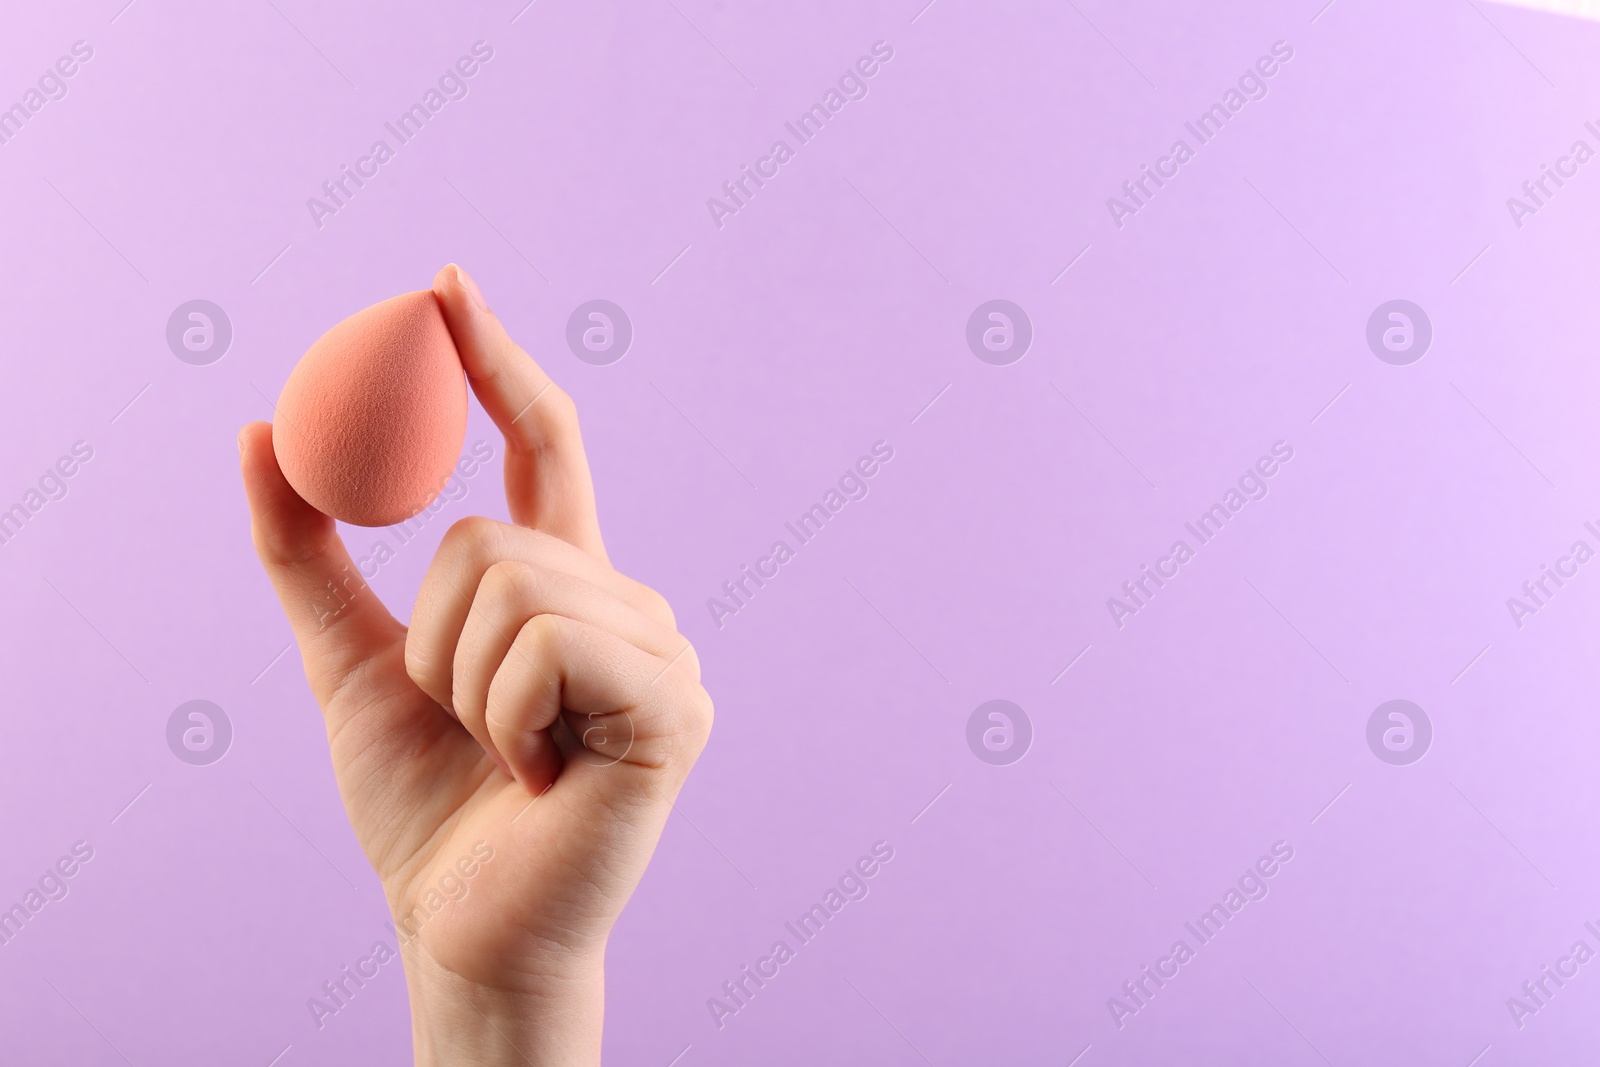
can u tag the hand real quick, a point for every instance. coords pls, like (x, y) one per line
(542, 710)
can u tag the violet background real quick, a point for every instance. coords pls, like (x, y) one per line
(820, 319)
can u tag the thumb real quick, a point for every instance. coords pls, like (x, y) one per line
(338, 621)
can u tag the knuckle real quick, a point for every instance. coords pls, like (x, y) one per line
(419, 664)
(463, 697)
(509, 579)
(653, 604)
(557, 421)
(473, 534)
(685, 663)
(539, 637)
(496, 718)
(462, 702)
(661, 608)
(498, 711)
(702, 711)
(695, 714)
(563, 410)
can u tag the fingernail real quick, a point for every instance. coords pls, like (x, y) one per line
(472, 289)
(239, 440)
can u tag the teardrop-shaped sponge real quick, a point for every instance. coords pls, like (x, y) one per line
(370, 423)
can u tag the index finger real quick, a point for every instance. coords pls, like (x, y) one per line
(548, 486)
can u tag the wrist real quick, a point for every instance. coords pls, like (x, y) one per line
(552, 1021)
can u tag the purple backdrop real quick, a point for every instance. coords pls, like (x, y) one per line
(1183, 736)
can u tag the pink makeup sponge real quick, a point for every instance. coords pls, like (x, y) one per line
(370, 423)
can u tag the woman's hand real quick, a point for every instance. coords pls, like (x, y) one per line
(508, 763)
